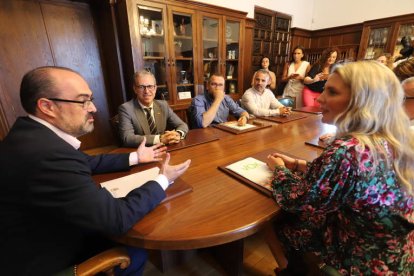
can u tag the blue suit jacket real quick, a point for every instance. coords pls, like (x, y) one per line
(50, 207)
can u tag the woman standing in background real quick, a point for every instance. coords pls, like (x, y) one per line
(317, 76)
(294, 73)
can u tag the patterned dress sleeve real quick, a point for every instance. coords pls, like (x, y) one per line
(328, 180)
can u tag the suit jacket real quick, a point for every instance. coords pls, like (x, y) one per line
(51, 209)
(133, 124)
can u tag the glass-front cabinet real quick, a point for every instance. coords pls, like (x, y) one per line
(377, 42)
(405, 30)
(385, 36)
(182, 43)
(167, 47)
(221, 48)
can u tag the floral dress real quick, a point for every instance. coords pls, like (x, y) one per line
(356, 218)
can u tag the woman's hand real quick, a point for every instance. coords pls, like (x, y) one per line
(277, 159)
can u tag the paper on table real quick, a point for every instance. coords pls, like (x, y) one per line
(235, 126)
(120, 187)
(254, 170)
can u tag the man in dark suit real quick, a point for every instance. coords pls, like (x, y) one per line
(52, 214)
(136, 116)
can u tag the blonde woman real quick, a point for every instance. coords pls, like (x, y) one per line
(293, 74)
(353, 205)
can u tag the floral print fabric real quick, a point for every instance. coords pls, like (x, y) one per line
(354, 215)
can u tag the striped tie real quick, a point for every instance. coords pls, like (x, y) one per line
(151, 123)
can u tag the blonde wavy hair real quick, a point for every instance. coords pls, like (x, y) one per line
(375, 114)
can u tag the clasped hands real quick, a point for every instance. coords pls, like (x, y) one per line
(156, 153)
(285, 111)
(170, 137)
(277, 159)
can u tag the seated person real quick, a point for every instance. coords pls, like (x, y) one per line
(408, 86)
(145, 117)
(260, 101)
(215, 106)
(53, 214)
(352, 206)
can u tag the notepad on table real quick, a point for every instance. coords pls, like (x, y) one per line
(253, 170)
(120, 187)
(234, 124)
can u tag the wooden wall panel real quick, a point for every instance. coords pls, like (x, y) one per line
(74, 44)
(23, 46)
(248, 59)
(37, 33)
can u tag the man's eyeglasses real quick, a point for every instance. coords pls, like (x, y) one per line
(86, 103)
(215, 84)
(148, 87)
(408, 98)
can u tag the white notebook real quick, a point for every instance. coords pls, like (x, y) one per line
(120, 187)
(254, 170)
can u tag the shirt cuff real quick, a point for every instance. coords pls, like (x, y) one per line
(157, 139)
(163, 181)
(133, 158)
(182, 134)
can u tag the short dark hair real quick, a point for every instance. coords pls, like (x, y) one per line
(215, 75)
(37, 84)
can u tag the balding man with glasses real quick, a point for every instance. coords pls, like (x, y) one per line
(214, 106)
(53, 214)
(145, 117)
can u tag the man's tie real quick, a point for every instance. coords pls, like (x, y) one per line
(151, 123)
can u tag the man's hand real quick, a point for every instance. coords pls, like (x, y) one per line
(218, 94)
(150, 154)
(242, 121)
(285, 111)
(172, 172)
(170, 137)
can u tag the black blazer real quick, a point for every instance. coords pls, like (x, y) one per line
(51, 209)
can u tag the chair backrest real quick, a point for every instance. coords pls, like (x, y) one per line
(288, 101)
(114, 121)
(190, 119)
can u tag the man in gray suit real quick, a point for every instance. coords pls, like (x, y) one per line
(145, 117)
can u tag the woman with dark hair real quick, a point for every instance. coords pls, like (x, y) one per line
(317, 76)
(294, 73)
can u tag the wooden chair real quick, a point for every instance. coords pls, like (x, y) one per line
(101, 263)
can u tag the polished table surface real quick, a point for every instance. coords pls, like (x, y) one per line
(220, 209)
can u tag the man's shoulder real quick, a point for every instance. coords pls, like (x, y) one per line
(127, 104)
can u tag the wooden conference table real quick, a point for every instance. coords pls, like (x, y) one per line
(220, 210)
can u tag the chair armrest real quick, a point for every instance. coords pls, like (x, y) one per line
(104, 261)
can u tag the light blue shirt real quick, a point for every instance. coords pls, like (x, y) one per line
(202, 103)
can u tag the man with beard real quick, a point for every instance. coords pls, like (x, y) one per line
(260, 101)
(215, 106)
(53, 215)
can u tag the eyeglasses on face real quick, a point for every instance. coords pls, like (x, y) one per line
(408, 98)
(148, 87)
(215, 84)
(85, 104)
